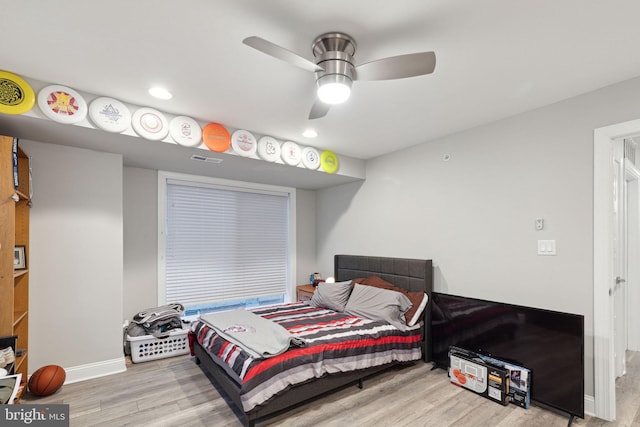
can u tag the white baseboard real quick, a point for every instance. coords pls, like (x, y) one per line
(589, 405)
(95, 370)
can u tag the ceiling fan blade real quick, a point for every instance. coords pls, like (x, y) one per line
(397, 67)
(276, 51)
(318, 110)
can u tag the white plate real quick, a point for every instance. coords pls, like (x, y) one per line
(150, 124)
(268, 149)
(109, 114)
(291, 153)
(310, 158)
(62, 104)
(244, 143)
(185, 131)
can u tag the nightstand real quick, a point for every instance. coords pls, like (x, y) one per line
(304, 292)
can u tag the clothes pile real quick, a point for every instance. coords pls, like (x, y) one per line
(157, 321)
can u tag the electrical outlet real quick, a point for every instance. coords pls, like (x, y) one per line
(539, 223)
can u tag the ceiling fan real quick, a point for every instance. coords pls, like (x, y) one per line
(335, 69)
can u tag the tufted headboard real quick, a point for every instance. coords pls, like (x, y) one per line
(411, 274)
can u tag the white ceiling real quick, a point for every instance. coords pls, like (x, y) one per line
(495, 58)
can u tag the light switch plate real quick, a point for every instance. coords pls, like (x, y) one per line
(546, 247)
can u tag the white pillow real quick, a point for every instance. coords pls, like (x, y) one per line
(418, 313)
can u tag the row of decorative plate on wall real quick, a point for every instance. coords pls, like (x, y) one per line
(64, 105)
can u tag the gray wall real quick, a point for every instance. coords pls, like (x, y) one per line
(305, 236)
(474, 214)
(140, 240)
(75, 265)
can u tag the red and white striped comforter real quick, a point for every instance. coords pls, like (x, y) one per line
(336, 342)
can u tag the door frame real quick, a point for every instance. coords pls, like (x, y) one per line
(603, 271)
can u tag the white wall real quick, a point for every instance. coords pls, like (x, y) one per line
(75, 270)
(474, 214)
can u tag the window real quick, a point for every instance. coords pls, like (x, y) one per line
(224, 244)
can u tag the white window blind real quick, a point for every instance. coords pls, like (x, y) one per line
(224, 244)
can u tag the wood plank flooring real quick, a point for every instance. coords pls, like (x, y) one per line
(175, 392)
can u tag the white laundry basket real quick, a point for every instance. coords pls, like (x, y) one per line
(147, 347)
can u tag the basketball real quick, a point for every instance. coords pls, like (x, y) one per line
(47, 380)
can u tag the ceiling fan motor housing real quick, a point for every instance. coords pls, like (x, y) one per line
(334, 53)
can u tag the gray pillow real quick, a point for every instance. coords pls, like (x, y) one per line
(333, 296)
(379, 304)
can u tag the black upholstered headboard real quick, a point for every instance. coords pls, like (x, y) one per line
(411, 274)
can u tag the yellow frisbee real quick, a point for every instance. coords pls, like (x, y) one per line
(16, 95)
(329, 161)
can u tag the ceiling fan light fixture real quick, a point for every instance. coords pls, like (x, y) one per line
(336, 71)
(334, 89)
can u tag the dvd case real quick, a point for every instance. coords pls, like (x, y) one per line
(519, 380)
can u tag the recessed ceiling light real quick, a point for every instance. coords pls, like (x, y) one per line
(160, 93)
(309, 133)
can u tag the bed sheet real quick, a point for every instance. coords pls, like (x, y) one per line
(335, 342)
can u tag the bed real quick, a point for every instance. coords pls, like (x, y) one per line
(410, 274)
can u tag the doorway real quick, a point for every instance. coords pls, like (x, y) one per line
(613, 186)
(633, 266)
(625, 247)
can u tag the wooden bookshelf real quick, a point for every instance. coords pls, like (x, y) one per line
(14, 284)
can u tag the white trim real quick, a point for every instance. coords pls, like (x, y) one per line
(163, 176)
(162, 220)
(631, 171)
(95, 370)
(604, 381)
(589, 405)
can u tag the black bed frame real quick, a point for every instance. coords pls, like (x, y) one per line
(411, 274)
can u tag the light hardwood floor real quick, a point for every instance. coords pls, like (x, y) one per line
(175, 392)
